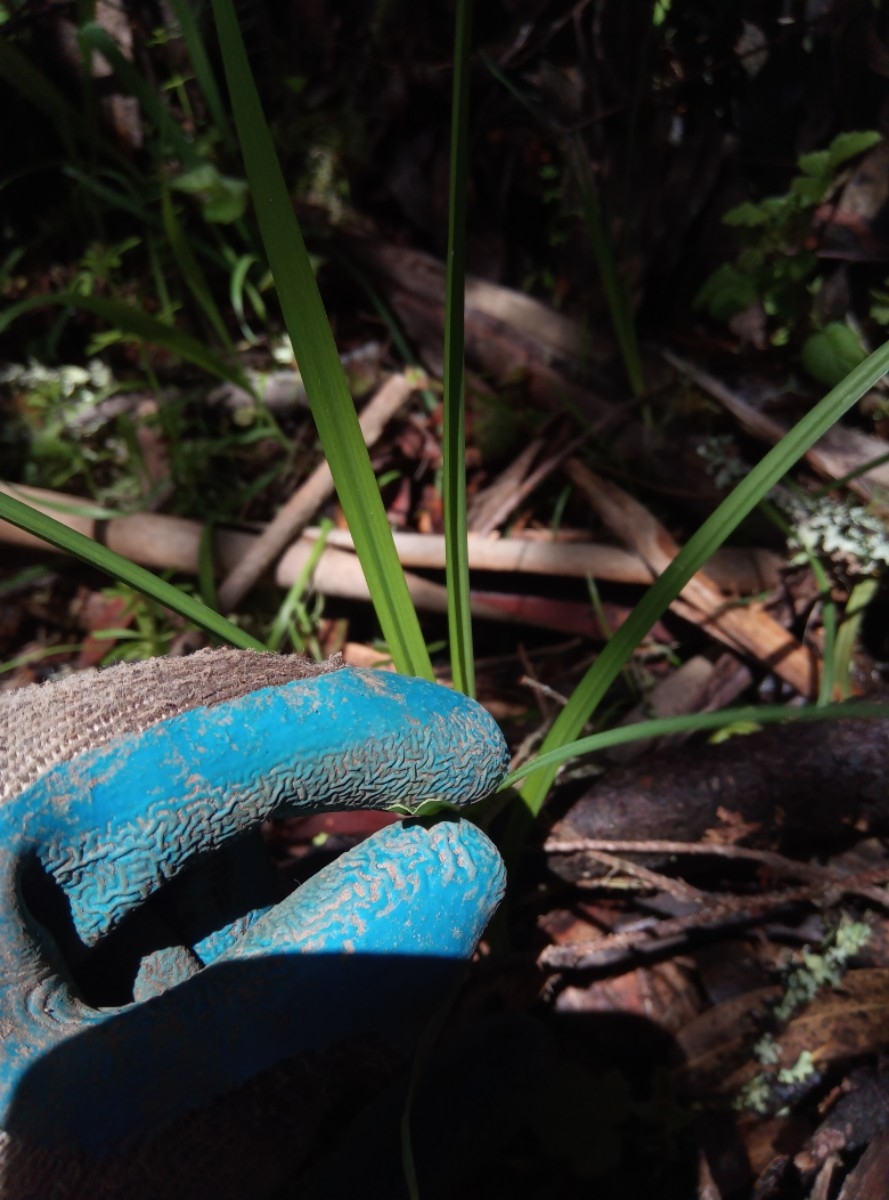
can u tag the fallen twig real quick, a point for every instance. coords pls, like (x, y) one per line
(307, 499)
(700, 600)
(658, 936)
(837, 454)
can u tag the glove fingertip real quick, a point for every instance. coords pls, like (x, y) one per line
(410, 889)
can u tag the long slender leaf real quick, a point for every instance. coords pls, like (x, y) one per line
(691, 558)
(103, 559)
(844, 646)
(191, 269)
(184, 11)
(170, 133)
(91, 181)
(770, 714)
(620, 308)
(137, 324)
(454, 454)
(325, 381)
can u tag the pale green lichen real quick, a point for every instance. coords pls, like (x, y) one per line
(803, 979)
(848, 534)
(802, 1069)
(722, 462)
(822, 968)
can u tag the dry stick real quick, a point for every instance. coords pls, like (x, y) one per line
(700, 600)
(721, 910)
(172, 543)
(165, 542)
(840, 451)
(779, 864)
(486, 504)
(735, 570)
(307, 499)
(508, 491)
(663, 883)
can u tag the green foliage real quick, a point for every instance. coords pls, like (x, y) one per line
(295, 622)
(831, 353)
(770, 225)
(71, 542)
(745, 497)
(739, 720)
(149, 632)
(777, 268)
(195, 240)
(222, 199)
(100, 267)
(454, 414)
(322, 371)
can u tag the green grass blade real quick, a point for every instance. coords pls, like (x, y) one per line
(454, 417)
(191, 269)
(112, 198)
(136, 324)
(84, 548)
(298, 589)
(772, 714)
(325, 381)
(691, 558)
(616, 296)
(32, 656)
(184, 12)
(847, 635)
(237, 285)
(172, 137)
(828, 606)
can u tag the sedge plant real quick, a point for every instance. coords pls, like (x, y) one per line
(337, 425)
(339, 432)
(338, 429)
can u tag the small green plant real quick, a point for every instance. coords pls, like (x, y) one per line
(84, 430)
(777, 268)
(99, 265)
(186, 209)
(344, 447)
(149, 632)
(58, 407)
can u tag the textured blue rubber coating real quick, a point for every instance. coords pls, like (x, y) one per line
(375, 929)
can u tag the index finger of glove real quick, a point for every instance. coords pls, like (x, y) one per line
(112, 825)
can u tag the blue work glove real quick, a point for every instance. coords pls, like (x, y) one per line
(165, 1028)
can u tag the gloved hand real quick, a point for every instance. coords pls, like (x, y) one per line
(165, 1029)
